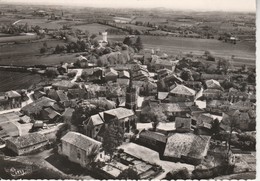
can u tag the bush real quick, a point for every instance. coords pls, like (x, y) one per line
(71, 74)
(182, 173)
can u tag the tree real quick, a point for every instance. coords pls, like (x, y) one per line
(224, 65)
(139, 43)
(129, 173)
(93, 153)
(43, 50)
(186, 75)
(45, 44)
(233, 123)
(128, 41)
(113, 137)
(215, 129)
(156, 116)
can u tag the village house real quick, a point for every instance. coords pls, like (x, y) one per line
(218, 77)
(38, 94)
(27, 143)
(9, 126)
(217, 106)
(186, 147)
(167, 82)
(196, 85)
(245, 121)
(123, 77)
(67, 115)
(77, 93)
(183, 125)
(162, 73)
(34, 109)
(111, 75)
(49, 114)
(153, 140)
(182, 93)
(164, 64)
(203, 123)
(213, 84)
(79, 148)
(95, 123)
(212, 94)
(64, 85)
(10, 100)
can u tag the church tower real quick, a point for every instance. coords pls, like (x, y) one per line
(131, 96)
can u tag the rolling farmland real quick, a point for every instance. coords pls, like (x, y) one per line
(93, 28)
(17, 80)
(244, 51)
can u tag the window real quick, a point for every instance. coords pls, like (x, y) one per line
(78, 154)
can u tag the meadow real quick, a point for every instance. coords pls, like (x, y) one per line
(244, 52)
(93, 28)
(17, 38)
(29, 54)
(17, 80)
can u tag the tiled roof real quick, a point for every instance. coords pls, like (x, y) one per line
(62, 96)
(36, 107)
(97, 119)
(213, 84)
(186, 144)
(12, 94)
(153, 135)
(183, 90)
(79, 140)
(64, 83)
(120, 112)
(28, 140)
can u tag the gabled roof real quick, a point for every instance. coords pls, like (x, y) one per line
(62, 96)
(213, 84)
(68, 112)
(162, 95)
(120, 112)
(111, 71)
(97, 119)
(36, 107)
(28, 140)
(12, 94)
(153, 135)
(51, 113)
(80, 141)
(124, 74)
(183, 90)
(242, 105)
(64, 84)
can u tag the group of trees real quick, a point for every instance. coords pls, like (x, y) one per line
(137, 44)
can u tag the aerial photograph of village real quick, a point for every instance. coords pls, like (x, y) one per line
(130, 89)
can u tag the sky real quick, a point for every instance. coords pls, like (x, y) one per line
(205, 5)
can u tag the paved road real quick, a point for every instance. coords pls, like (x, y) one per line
(23, 104)
(79, 72)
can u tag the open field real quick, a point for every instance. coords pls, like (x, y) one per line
(18, 38)
(93, 28)
(29, 54)
(244, 51)
(17, 80)
(134, 27)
